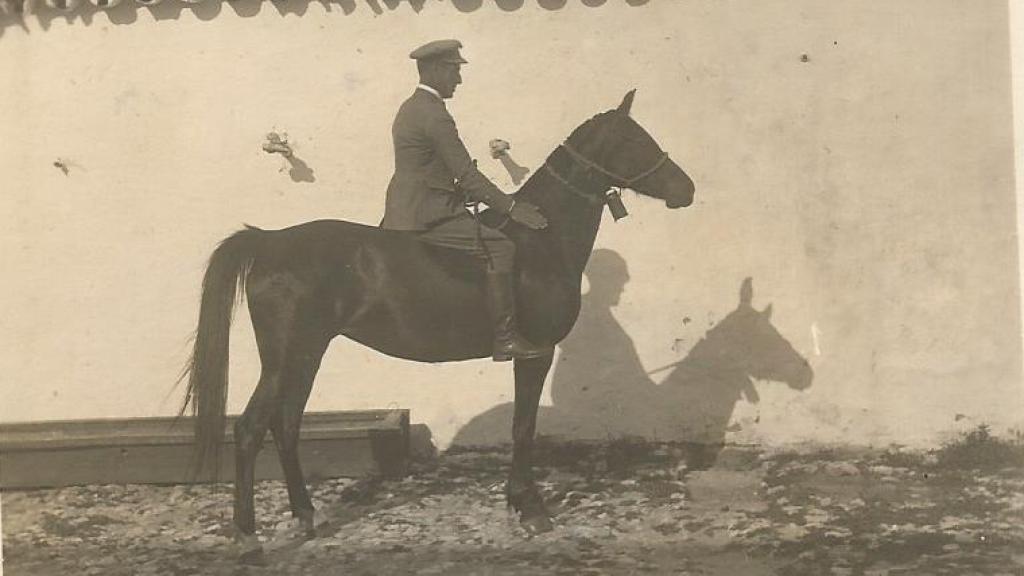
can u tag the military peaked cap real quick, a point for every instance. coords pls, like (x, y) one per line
(444, 50)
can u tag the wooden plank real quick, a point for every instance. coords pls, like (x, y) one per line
(159, 450)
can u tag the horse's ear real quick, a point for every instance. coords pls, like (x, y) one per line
(627, 102)
(767, 313)
(747, 292)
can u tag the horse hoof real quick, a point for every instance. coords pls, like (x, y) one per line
(250, 551)
(253, 557)
(314, 525)
(310, 531)
(536, 524)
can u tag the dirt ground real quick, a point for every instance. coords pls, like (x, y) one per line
(620, 508)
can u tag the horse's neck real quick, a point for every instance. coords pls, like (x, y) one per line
(574, 222)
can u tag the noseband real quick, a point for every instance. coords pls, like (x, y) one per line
(612, 196)
(620, 181)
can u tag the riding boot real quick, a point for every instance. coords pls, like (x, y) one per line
(501, 304)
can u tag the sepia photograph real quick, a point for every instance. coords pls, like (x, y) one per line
(511, 287)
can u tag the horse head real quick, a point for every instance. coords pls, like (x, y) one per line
(745, 341)
(664, 179)
(612, 150)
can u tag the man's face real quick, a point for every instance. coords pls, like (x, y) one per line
(448, 77)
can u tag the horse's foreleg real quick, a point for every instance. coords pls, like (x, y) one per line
(521, 491)
(285, 427)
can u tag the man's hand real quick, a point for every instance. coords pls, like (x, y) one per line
(528, 215)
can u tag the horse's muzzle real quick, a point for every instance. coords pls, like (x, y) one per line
(679, 202)
(681, 195)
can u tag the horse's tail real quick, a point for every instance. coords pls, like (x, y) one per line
(207, 368)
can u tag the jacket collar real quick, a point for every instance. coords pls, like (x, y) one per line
(430, 90)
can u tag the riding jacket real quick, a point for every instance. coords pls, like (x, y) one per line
(434, 173)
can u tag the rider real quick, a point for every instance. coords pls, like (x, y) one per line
(435, 177)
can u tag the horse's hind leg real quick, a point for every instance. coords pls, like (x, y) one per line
(286, 359)
(521, 491)
(285, 427)
(250, 430)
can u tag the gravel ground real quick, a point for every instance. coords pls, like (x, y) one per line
(619, 509)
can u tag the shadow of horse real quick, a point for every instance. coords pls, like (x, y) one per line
(601, 392)
(699, 396)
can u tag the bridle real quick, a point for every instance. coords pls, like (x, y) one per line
(618, 182)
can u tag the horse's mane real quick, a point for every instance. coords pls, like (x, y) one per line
(530, 188)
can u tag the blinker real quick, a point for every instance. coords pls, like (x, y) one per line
(615, 205)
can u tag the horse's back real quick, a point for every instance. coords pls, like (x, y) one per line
(343, 242)
(340, 233)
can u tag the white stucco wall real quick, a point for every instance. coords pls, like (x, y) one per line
(867, 190)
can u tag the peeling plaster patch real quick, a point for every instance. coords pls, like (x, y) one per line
(125, 100)
(815, 334)
(65, 165)
(826, 412)
(353, 82)
(297, 168)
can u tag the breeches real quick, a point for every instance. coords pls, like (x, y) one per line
(461, 233)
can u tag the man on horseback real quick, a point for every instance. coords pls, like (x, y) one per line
(435, 178)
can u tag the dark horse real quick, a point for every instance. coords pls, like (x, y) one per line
(309, 283)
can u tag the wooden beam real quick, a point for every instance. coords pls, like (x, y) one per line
(159, 450)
